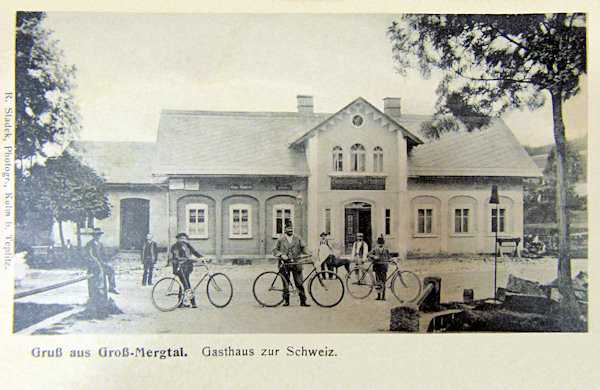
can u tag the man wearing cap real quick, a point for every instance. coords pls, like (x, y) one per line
(95, 251)
(360, 249)
(288, 248)
(149, 256)
(380, 257)
(182, 264)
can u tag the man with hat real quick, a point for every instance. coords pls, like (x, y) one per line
(182, 264)
(95, 251)
(380, 257)
(288, 248)
(360, 249)
(149, 256)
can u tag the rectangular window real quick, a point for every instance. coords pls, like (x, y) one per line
(338, 161)
(425, 221)
(240, 221)
(499, 219)
(328, 221)
(282, 215)
(388, 222)
(461, 220)
(378, 162)
(197, 220)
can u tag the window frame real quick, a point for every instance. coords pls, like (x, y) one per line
(240, 207)
(505, 217)
(337, 156)
(282, 206)
(196, 206)
(358, 152)
(387, 221)
(434, 211)
(470, 220)
(378, 158)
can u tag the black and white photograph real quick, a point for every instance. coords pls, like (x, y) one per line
(368, 174)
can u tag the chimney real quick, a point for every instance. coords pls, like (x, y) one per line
(391, 107)
(305, 104)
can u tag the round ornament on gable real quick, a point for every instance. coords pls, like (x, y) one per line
(357, 120)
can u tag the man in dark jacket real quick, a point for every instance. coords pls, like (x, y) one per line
(380, 257)
(182, 264)
(149, 256)
(95, 252)
(288, 248)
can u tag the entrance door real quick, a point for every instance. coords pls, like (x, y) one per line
(135, 223)
(357, 219)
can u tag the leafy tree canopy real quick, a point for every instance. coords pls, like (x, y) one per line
(491, 63)
(46, 116)
(63, 189)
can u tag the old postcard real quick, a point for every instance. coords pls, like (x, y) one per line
(222, 195)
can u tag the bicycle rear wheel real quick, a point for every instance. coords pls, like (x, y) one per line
(167, 294)
(359, 283)
(326, 289)
(406, 286)
(268, 289)
(219, 290)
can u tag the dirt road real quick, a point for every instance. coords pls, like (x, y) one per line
(245, 315)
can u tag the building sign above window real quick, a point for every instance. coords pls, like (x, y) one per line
(240, 186)
(283, 186)
(363, 183)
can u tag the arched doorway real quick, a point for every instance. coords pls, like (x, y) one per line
(135, 223)
(357, 219)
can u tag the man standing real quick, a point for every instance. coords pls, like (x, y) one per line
(182, 264)
(288, 248)
(360, 249)
(149, 257)
(95, 251)
(380, 257)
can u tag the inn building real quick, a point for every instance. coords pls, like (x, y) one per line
(232, 180)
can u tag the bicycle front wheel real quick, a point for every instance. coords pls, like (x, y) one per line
(406, 286)
(219, 290)
(167, 294)
(268, 289)
(359, 283)
(326, 289)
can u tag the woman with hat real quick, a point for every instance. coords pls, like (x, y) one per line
(380, 257)
(182, 264)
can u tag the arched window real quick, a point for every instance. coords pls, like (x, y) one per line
(357, 158)
(378, 159)
(337, 158)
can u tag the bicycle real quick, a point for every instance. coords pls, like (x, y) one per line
(405, 285)
(268, 286)
(168, 293)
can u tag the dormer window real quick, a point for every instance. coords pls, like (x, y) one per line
(378, 159)
(357, 158)
(337, 156)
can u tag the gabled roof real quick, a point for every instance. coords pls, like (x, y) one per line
(360, 103)
(490, 151)
(119, 162)
(235, 143)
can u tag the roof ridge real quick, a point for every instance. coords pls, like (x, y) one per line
(243, 113)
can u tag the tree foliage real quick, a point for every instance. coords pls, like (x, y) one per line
(46, 116)
(492, 63)
(64, 190)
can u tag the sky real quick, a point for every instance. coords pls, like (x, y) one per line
(132, 66)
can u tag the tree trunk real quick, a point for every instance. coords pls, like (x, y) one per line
(564, 257)
(60, 231)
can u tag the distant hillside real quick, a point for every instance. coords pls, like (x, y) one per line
(580, 144)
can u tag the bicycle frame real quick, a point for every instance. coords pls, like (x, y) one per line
(393, 260)
(285, 276)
